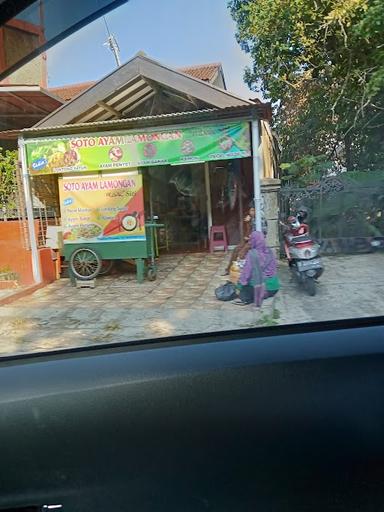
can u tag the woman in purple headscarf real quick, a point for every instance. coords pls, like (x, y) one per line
(258, 279)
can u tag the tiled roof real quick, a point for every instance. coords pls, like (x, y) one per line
(67, 92)
(205, 72)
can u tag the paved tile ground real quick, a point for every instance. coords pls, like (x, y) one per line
(351, 287)
(181, 301)
(6, 293)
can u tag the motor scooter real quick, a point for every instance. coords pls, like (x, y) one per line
(303, 254)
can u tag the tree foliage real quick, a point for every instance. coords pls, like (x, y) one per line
(307, 169)
(321, 63)
(8, 184)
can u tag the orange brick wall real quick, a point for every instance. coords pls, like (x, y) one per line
(47, 265)
(18, 259)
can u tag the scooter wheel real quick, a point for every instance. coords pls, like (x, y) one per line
(310, 286)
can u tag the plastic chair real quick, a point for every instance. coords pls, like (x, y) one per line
(218, 238)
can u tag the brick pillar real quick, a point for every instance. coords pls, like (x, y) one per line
(270, 202)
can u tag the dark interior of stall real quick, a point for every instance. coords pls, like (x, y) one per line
(177, 195)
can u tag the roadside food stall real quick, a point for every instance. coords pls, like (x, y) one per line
(105, 213)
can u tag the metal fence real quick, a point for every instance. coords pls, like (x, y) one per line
(16, 210)
(45, 216)
(343, 211)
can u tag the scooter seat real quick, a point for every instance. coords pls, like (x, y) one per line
(300, 239)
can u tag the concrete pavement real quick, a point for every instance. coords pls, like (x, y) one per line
(181, 301)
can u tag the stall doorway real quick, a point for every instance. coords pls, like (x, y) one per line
(177, 195)
(229, 197)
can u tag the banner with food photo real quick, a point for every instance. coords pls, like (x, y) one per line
(102, 208)
(119, 150)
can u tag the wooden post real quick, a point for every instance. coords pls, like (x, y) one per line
(140, 268)
(208, 195)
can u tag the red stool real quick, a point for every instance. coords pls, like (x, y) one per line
(218, 238)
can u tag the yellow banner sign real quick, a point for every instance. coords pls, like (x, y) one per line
(102, 208)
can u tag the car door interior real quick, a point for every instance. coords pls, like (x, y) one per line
(273, 420)
(287, 418)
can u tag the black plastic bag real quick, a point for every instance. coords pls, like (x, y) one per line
(226, 291)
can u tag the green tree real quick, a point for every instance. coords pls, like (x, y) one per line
(8, 184)
(321, 63)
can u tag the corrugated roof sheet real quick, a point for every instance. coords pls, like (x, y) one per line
(246, 112)
(22, 106)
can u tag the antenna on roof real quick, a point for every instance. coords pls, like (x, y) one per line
(111, 43)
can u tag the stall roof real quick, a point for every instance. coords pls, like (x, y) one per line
(141, 87)
(206, 72)
(212, 114)
(22, 106)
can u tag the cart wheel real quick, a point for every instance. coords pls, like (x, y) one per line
(106, 267)
(85, 263)
(151, 274)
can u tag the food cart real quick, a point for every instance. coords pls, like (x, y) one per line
(103, 219)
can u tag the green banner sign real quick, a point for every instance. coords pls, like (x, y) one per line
(119, 150)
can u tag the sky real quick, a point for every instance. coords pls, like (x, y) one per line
(177, 33)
